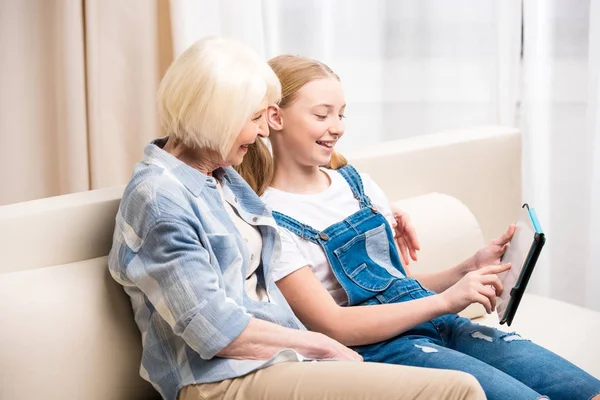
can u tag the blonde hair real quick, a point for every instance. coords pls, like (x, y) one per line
(211, 90)
(293, 72)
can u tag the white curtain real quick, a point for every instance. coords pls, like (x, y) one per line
(77, 100)
(561, 127)
(411, 67)
(408, 67)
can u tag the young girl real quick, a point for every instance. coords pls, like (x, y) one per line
(340, 270)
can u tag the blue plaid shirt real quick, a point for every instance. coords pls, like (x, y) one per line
(182, 261)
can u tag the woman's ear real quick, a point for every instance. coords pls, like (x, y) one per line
(274, 118)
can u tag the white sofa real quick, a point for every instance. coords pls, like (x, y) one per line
(66, 329)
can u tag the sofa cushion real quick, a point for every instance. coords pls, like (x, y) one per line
(69, 323)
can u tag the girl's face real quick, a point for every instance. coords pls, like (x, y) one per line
(255, 126)
(313, 123)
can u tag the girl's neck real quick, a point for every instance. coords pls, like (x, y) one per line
(292, 177)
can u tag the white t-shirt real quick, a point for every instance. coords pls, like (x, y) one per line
(319, 211)
(253, 241)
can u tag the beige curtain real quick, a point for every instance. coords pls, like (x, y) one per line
(77, 101)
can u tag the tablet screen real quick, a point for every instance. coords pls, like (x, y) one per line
(516, 254)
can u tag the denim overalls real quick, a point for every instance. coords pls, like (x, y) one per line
(363, 257)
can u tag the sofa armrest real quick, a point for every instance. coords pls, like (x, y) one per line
(481, 167)
(448, 233)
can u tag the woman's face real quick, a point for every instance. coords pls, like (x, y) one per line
(255, 126)
(313, 122)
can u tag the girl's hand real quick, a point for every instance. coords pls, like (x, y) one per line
(480, 286)
(491, 253)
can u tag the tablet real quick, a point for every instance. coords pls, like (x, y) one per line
(523, 252)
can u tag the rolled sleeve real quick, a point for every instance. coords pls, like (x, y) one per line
(215, 326)
(173, 270)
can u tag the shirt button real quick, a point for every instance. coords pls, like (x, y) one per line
(235, 199)
(246, 240)
(251, 257)
(254, 219)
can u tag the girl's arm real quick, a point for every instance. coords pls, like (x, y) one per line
(442, 280)
(489, 254)
(361, 325)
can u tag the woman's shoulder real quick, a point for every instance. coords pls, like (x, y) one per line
(152, 195)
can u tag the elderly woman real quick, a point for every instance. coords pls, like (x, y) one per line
(193, 246)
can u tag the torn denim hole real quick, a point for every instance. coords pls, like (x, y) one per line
(511, 337)
(427, 349)
(479, 335)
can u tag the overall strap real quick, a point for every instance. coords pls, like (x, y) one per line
(353, 178)
(304, 231)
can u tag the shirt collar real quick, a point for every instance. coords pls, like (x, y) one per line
(191, 178)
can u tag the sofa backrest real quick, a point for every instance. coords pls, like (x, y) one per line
(66, 328)
(479, 166)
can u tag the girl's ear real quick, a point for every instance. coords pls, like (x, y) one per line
(274, 118)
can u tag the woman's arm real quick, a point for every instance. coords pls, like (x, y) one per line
(360, 325)
(173, 270)
(261, 340)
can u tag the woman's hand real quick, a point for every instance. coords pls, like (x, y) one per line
(481, 286)
(491, 253)
(261, 340)
(405, 235)
(327, 347)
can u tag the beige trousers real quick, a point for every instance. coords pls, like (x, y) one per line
(340, 380)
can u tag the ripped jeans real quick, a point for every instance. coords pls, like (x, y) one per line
(506, 365)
